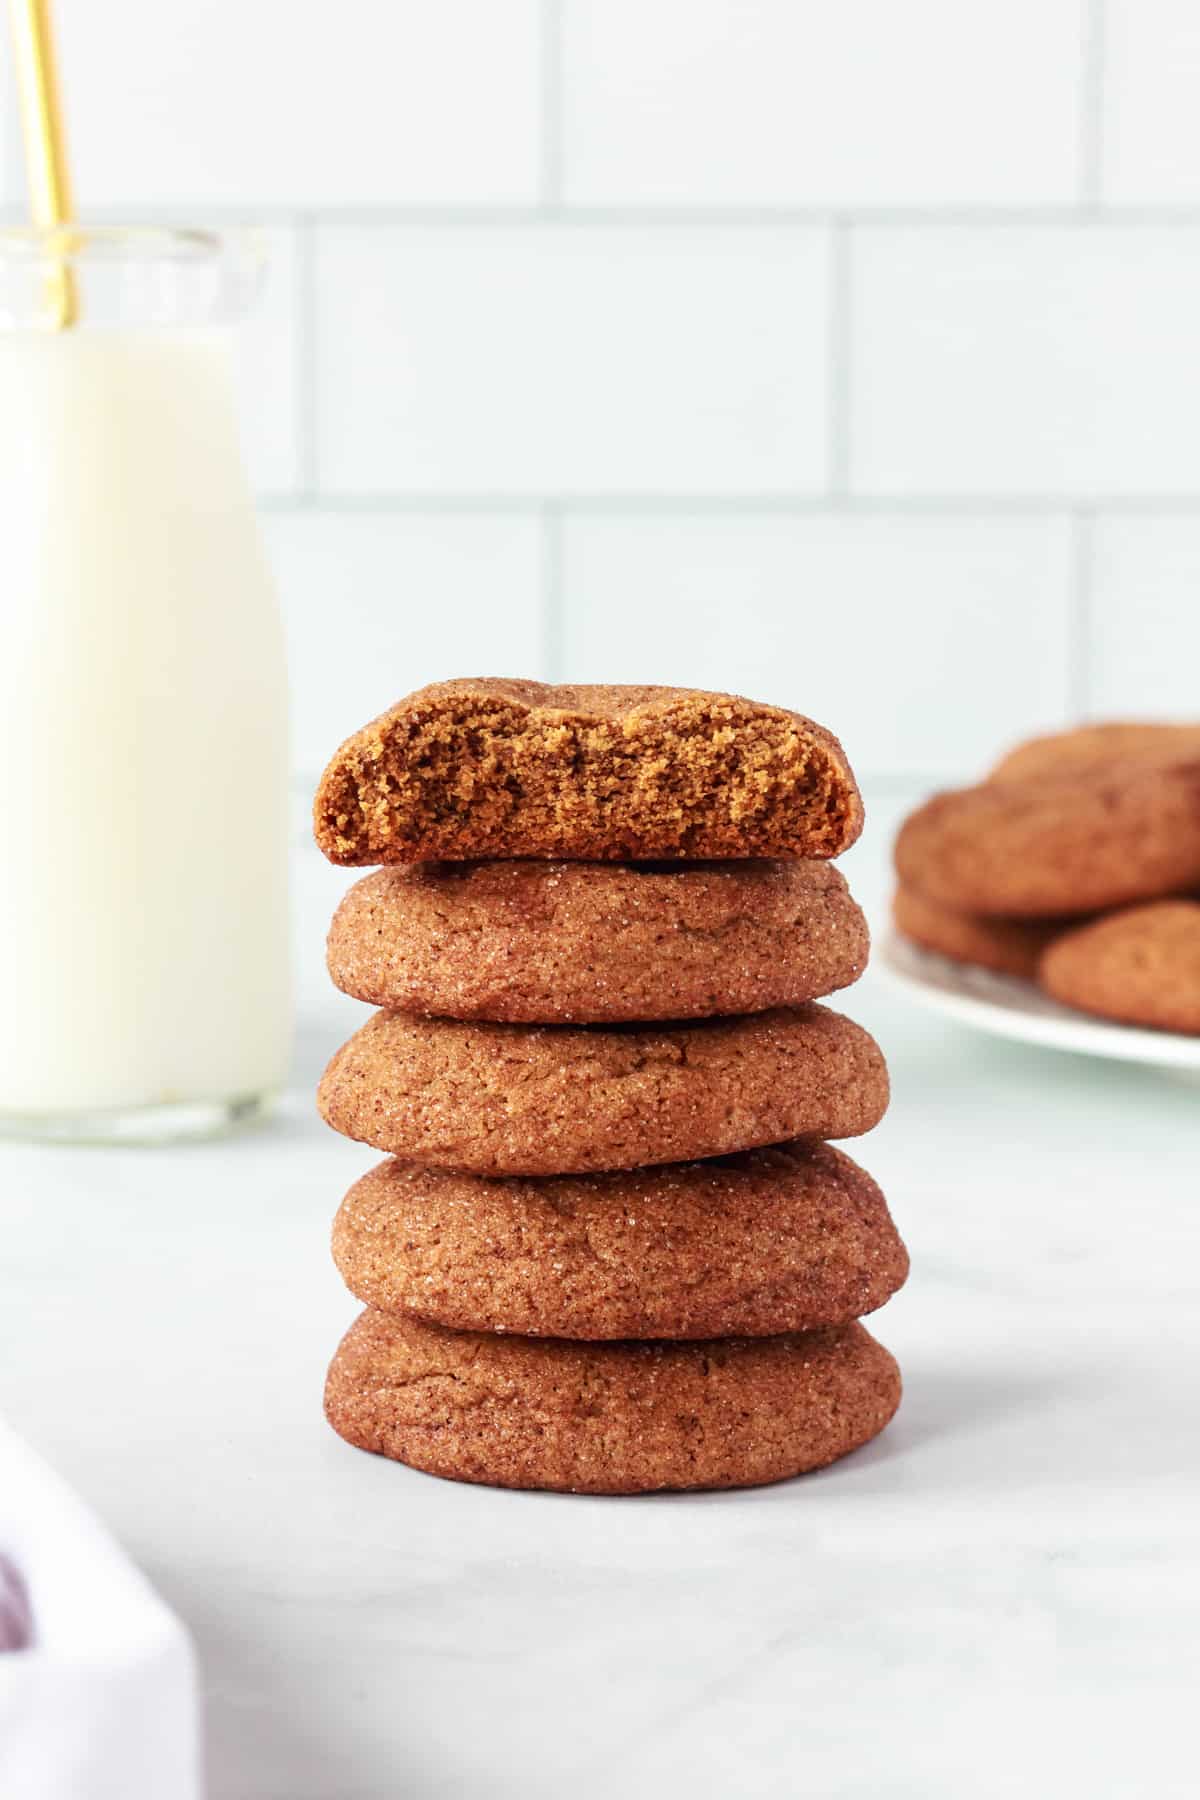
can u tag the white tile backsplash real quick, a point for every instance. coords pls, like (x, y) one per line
(769, 343)
(1145, 646)
(925, 643)
(1026, 360)
(1151, 143)
(268, 358)
(538, 359)
(807, 103)
(202, 103)
(377, 604)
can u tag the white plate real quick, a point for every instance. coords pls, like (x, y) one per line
(1009, 1007)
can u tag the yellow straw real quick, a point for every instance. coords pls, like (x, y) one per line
(45, 144)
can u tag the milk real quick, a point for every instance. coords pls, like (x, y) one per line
(143, 770)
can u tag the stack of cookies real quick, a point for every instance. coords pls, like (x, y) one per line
(1076, 864)
(610, 1250)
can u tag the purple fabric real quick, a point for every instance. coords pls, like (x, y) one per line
(16, 1624)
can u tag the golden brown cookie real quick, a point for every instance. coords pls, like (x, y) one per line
(1009, 946)
(1141, 966)
(496, 768)
(1030, 849)
(623, 1418)
(785, 1239)
(596, 943)
(1098, 750)
(566, 1100)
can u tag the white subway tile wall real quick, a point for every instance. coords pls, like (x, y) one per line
(844, 354)
(968, 642)
(566, 359)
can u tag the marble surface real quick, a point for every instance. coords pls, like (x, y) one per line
(997, 1596)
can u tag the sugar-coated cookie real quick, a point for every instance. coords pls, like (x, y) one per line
(1098, 750)
(1009, 946)
(564, 1100)
(769, 1241)
(625, 1418)
(1049, 848)
(497, 768)
(596, 943)
(1140, 965)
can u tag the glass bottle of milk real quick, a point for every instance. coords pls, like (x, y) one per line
(144, 959)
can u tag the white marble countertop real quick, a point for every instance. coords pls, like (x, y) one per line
(999, 1595)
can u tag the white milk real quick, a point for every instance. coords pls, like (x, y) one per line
(143, 767)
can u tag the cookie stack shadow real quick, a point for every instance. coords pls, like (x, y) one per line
(611, 1250)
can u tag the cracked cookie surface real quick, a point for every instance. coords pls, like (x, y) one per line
(560, 1100)
(790, 1238)
(622, 1418)
(595, 943)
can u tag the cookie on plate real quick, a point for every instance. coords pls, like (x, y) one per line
(1008, 946)
(497, 768)
(1098, 750)
(625, 1418)
(596, 943)
(1140, 966)
(768, 1241)
(1051, 848)
(564, 1100)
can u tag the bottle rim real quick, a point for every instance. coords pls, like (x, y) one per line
(127, 275)
(136, 243)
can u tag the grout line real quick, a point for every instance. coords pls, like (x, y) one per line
(841, 253)
(305, 367)
(553, 593)
(969, 506)
(1079, 615)
(552, 143)
(1093, 71)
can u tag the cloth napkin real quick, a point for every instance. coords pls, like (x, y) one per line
(101, 1704)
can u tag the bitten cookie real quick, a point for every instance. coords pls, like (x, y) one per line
(1030, 849)
(769, 1241)
(565, 1100)
(1098, 750)
(1009, 946)
(596, 943)
(1141, 966)
(622, 1418)
(492, 768)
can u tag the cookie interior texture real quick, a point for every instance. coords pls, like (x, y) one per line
(616, 1418)
(1140, 966)
(496, 768)
(596, 943)
(790, 1238)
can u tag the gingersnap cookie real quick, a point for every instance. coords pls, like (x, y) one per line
(565, 1100)
(768, 1241)
(497, 768)
(596, 943)
(1141, 966)
(1098, 750)
(1051, 848)
(1009, 946)
(625, 1418)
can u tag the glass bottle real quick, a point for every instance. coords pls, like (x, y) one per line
(144, 955)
